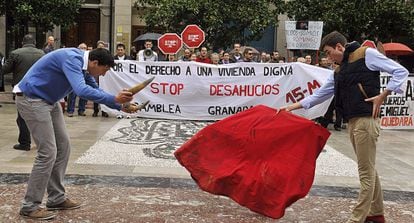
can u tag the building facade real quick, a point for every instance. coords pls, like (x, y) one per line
(119, 21)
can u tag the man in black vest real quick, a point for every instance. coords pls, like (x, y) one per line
(18, 63)
(356, 86)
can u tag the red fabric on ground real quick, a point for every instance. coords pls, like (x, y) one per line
(261, 159)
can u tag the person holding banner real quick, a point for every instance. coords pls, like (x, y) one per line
(51, 78)
(203, 57)
(356, 86)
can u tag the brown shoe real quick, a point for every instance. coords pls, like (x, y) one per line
(66, 205)
(39, 214)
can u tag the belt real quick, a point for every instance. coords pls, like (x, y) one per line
(19, 94)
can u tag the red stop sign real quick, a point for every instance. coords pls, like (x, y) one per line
(170, 43)
(193, 36)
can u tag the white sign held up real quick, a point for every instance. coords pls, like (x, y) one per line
(303, 34)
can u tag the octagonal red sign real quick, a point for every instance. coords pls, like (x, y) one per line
(193, 36)
(170, 43)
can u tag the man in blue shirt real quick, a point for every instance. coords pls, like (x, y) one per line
(50, 79)
(356, 86)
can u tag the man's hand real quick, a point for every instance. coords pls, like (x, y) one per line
(124, 97)
(377, 102)
(291, 107)
(133, 107)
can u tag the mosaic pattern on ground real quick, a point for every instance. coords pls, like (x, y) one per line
(152, 142)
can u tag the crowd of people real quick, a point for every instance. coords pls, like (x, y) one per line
(204, 55)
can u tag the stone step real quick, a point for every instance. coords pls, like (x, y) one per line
(6, 97)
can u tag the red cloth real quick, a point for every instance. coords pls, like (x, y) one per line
(262, 160)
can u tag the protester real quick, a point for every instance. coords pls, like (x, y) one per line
(282, 60)
(121, 55)
(120, 52)
(323, 62)
(18, 63)
(356, 86)
(193, 57)
(236, 55)
(301, 60)
(226, 58)
(263, 57)
(215, 58)
(171, 57)
(147, 54)
(49, 46)
(72, 96)
(133, 53)
(248, 55)
(186, 56)
(38, 93)
(308, 59)
(99, 44)
(275, 57)
(203, 57)
(328, 117)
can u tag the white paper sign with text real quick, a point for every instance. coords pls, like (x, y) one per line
(303, 35)
(397, 111)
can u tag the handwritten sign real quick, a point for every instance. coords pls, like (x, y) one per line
(303, 34)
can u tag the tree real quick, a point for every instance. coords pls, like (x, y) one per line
(224, 22)
(41, 14)
(382, 20)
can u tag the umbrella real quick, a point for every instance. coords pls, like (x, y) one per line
(261, 159)
(396, 49)
(147, 36)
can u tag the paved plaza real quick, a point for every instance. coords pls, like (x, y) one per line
(124, 171)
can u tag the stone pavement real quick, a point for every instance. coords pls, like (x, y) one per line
(120, 179)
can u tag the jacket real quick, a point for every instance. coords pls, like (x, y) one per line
(354, 83)
(20, 61)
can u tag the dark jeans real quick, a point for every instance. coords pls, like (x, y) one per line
(24, 133)
(71, 103)
(328, 117)
(95, 108)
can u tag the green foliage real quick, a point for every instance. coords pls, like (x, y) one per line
(384, 20)
(224, 22)
(44, 14)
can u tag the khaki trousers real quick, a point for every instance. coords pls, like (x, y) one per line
(364, 132)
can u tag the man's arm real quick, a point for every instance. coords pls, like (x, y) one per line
(90, 81)
(320, 95)
(376, 61)
(74, 74)
(9, 64)
(140, 55)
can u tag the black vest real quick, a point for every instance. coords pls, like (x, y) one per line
(354, 82)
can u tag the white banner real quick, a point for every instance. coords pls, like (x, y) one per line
(198, 91)
(398, 109)
(303, 34)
